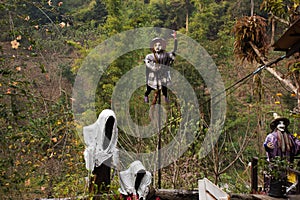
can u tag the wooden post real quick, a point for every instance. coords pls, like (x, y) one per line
(100, 181)
(254, 178)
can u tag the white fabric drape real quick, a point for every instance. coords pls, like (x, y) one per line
(128, 178)
(94, 136)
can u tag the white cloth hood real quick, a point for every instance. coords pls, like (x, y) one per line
(128, 179)
(101, 139)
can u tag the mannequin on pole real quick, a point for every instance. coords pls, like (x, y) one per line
(157, 68)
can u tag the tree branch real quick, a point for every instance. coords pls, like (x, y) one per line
(280, 20)
(276, 74)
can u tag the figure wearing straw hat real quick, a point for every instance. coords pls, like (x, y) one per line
(157, 67)
(280, 142)
(283, 145)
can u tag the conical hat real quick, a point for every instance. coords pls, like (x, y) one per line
(277, 119)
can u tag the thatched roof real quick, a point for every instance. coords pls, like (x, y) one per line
(290, 40)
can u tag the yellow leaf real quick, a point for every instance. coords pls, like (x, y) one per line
(54, 139)
(17, 162)
(62, 24)
(27, 182)
(36, 165)
(295, 134)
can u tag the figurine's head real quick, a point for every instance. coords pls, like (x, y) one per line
(157, 45)
(281, 123)
(281, 126)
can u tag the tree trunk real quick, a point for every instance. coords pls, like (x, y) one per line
(252, 7)
(101, 180)
(273, 30)
(187, 16)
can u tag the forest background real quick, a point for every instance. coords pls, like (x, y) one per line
(43, 44)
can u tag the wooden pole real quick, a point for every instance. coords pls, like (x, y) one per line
(100, 181)
(254, 178)
(159, 141)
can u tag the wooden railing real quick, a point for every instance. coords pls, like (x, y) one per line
(210, 191)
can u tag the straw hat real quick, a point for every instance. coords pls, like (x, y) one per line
(157, 39)
(276, 120)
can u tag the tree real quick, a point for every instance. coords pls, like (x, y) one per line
(251, 44)
(212, 16)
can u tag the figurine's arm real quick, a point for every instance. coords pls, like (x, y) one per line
(269, 143)
(297, 143)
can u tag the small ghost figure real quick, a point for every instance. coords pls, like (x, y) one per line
(134, 182)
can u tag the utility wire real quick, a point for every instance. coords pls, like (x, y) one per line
(245, 78)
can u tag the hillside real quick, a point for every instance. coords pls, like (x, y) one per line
(45, 45)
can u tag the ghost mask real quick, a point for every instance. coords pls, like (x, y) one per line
(157, 47)
(281, 126)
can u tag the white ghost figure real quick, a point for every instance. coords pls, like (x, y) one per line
(135, 180)
(101, 139)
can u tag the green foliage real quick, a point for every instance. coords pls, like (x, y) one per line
(276, 168)
(277, 7)
(170, 14)
(42, 155)
(212, 16)
(93, 14)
